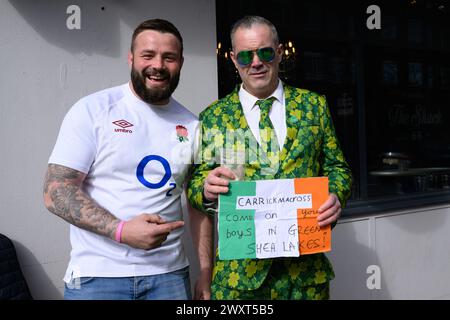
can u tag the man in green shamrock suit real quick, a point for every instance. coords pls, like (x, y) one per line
(286, 133)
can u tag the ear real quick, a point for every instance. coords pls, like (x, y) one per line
(130, 59)
(233, 58)
(280, 52)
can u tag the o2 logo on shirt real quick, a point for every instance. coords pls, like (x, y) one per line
(168, 173)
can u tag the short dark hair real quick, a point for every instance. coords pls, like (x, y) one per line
(248, 21)
(160, 25)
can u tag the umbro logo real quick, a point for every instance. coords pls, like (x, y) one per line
(123, 124)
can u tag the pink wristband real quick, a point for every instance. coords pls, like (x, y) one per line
(119, 231)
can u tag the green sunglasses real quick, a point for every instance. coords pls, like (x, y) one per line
(244, 58)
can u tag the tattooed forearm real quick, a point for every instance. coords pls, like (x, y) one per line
(64, 197)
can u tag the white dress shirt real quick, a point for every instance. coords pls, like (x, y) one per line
(277, 113)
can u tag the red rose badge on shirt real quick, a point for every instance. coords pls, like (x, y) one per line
(182, 133)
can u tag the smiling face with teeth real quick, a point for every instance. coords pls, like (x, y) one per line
(155, 61)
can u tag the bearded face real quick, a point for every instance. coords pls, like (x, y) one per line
(165, 84)
(156, 60)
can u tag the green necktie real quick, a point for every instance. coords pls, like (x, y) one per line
(268, 137)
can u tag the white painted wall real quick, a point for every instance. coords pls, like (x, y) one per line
(45, 68)
(410, 247)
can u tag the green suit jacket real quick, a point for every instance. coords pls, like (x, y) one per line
(310, 149)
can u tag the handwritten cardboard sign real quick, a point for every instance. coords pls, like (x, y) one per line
(272, 218)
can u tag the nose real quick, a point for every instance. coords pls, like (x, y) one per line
(256, 61)
(157, 62)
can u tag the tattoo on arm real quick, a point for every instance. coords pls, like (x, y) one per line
(63, 195)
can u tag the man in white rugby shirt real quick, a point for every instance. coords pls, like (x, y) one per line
(116, 174)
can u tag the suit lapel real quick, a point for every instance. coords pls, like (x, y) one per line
(234, 109)
(293, 116)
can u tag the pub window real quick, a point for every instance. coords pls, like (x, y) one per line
(388, 90)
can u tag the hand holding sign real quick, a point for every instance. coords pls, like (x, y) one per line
(217, 183)
(330, 211)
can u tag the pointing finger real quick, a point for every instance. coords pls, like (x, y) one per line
(168, 227)
(154, 218)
